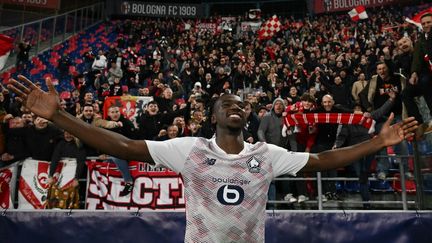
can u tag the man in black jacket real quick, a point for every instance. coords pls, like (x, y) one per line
(421, 72)
(325, 140)
(152, 121)
(42, 139)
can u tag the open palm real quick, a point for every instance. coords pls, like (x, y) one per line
(42, 103)
(394, 134)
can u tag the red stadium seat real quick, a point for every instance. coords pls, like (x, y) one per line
(409, 185)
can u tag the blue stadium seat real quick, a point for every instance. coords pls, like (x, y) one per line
(380, 186)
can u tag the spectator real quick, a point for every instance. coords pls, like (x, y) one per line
(63, 65)
(23, 54)
(340, 92)
(100, 62)
(114, 72)
(325, 140)
(165, 102)
(262, 110)
(42, 138)
(15, 143)
(179, 121)
(379, 88)
(126, 128)
(350, 135)
(152, 121)
(301, 139)
(68, 147)
(357, 87)
(421, 72)
(170, 133)
(270, 131)
(187, 154)
(250, 130)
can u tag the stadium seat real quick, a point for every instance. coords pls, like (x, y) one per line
(427, 182)
(352, 186)
(380, 186)
(409, 185)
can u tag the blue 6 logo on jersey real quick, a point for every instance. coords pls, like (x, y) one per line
(230, 195)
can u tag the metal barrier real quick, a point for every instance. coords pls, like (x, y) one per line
(318, 203)
(404, 202)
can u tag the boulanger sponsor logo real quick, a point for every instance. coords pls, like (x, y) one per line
(230, 181)
(230, 195)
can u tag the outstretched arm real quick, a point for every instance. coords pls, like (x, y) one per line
(389, 135)
(46, 104)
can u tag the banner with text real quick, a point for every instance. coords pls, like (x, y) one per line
(157, 9)
(226, 23)
(6, 179)
(203, 27)
(326, 6)
(154, 187)
(250, 26)
(53, 4)
(33, 182)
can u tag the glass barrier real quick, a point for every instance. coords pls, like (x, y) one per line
(48, 32)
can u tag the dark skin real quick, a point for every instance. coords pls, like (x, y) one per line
(229, 116)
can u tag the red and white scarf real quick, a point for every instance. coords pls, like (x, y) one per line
(330, 118)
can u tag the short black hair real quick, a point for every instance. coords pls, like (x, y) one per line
(87, 104)
(153, 102)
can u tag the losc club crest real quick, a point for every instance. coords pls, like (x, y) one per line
(125, 8)
(253, 165)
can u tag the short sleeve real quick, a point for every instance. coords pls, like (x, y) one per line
(171, 153)
(286, 162)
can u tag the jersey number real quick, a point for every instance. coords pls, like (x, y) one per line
(230, 195)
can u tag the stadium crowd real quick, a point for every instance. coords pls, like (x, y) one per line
(319, 64)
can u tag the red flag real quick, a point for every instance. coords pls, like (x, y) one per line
(416, 20)
(269, 28)
(6, 44)
(358, 13)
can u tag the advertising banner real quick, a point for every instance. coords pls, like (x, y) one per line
(167, 227)
(327, 6)
(206, 27)
(249, 25)
(33, 183)
(6, 179)
(154, 187)
(159, 9)
(53, 4)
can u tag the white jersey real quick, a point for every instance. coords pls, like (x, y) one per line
(226, 194)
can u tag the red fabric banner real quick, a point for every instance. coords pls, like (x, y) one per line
(154, 187)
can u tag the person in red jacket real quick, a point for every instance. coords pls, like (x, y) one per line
(305, 137)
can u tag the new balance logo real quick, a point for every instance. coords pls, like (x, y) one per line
(210, 161)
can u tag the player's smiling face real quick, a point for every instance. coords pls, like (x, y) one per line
(229, 112)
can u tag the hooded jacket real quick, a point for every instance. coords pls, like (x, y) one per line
(270, 129)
